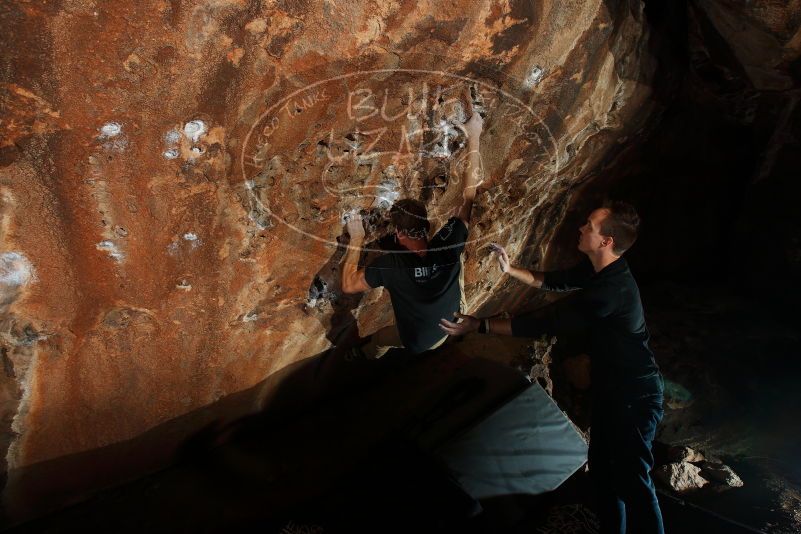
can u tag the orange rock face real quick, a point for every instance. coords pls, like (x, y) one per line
(174, 177)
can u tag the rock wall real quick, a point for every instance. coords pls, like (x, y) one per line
(174, 176)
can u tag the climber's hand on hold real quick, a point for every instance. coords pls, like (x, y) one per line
(355, 227)
(532, 278)
(474, 126)
(468, 324)
(353, 279)
(503, 257)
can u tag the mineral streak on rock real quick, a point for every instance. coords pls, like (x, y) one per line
(298, 110)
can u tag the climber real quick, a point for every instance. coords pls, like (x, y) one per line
(425, 280)
(626, 384)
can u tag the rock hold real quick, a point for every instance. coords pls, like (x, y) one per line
(681, 476)
(721, 473)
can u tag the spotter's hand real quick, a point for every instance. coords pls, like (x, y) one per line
(355, 227)
(503, 257)
(468, 324)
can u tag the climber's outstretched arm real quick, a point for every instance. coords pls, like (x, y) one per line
(493, 325)
(472, 172)
(353, 279)
(532, 278)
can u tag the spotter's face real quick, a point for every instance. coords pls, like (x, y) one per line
(590, 238)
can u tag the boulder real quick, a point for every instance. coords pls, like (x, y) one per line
(722, 473)
(680, 476)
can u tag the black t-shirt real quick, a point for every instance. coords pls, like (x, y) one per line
(608, 310)
(423, 289)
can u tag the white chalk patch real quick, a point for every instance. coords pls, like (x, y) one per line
(441, 151)
(117, 144)
(447, 129)
(173, 137)
(386, 194)
(189, 236)
(171, 153)
(15, 269)
(250, 317)
(194, 129)
(460, 117)
(534, 76)
(111, 248)
(184, 285)
(442, 148)
(347, 214)
(111, 129)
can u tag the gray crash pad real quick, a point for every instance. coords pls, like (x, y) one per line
(528, 446)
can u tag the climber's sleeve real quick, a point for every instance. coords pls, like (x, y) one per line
(568, 279)
(452, 236)
(378, 272)
(532, 325)
(568, 317)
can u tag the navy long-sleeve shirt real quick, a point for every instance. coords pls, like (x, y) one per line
(609, 311)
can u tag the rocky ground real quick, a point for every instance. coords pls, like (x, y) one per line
(729, 369)
(731, 365)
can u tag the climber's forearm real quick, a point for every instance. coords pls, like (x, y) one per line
(472, 172)
(351, 276)
(471, 179)
(531, 278)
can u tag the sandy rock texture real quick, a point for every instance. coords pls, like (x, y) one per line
(680, 476)
(721, 473)
(173, 176)
(176, 180)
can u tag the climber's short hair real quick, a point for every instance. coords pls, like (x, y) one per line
(410, 217)
(621, 224)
